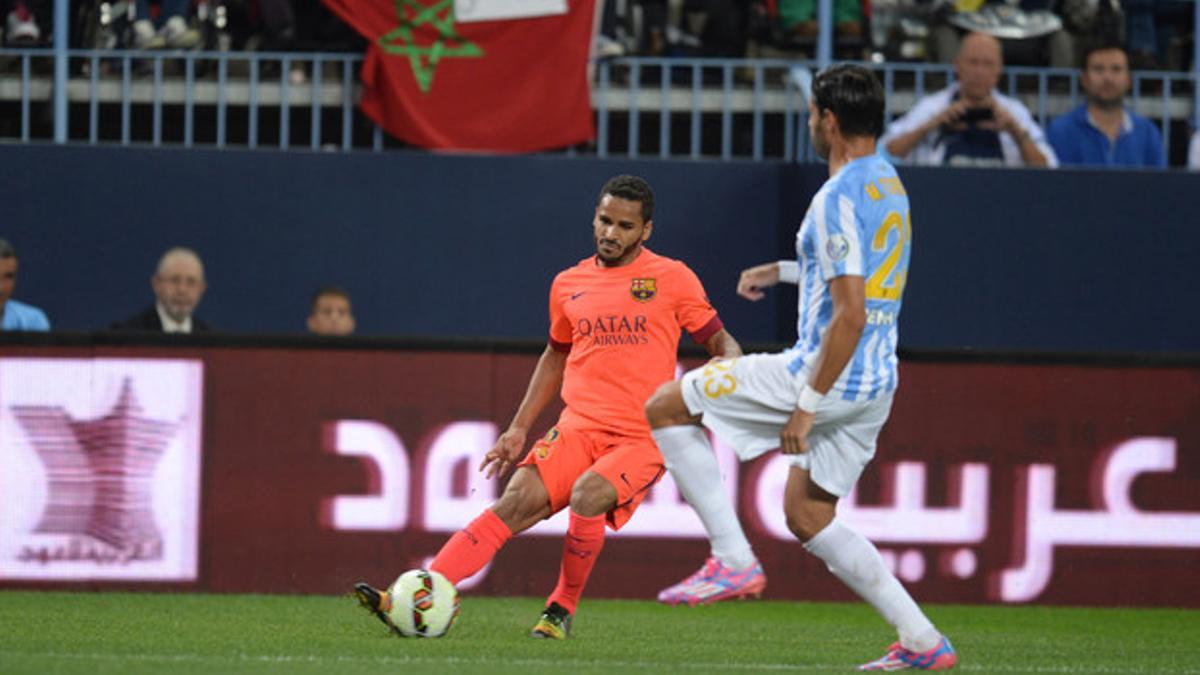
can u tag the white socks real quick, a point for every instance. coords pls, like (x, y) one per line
(694, 467)
(858, 564)
(845, 552)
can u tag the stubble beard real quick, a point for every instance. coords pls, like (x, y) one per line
(613, 260)
(1109, 104)
(821, 145)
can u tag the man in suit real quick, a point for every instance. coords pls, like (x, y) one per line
(178, 286)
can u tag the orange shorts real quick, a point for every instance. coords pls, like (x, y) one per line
(633, 465)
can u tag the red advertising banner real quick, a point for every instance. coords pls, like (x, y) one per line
(277, 470)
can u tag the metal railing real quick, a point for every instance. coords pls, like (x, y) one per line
(748, 97)
(645, 107)
(225, 83)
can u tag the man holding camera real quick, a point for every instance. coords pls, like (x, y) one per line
(969, 123)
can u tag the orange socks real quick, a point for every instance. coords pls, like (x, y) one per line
(472, 547)
(585, 538)
(476, 544)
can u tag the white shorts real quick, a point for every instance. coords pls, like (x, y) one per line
(747, 400)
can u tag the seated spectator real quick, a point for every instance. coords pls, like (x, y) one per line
(320, 30)
(306, 27)
(969, 123)
(799, 18)
(169, 30)
(1031, 33)
(1102, 131)
(178, 286)
(331, 313)
(21, 22)
(1157, 32)
(15, 315)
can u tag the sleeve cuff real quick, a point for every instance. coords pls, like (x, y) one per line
(564, 347)
(708, 330)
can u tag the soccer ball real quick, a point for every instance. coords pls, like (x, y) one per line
(423, 604)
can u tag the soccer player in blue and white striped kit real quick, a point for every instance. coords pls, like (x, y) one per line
(824, 401)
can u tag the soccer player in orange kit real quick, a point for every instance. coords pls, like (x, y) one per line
(615, 322)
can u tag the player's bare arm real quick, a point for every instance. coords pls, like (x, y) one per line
(544, 385)
(722, 345)
(754, 279)
(837, 348)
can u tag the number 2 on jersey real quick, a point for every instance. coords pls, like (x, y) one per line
(887, 283)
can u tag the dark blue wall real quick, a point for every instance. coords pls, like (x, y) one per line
(427, 245)
(1062, 260)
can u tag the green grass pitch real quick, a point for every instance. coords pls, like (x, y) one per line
(44, 632)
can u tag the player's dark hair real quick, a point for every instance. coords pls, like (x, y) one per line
(1102, 45)
(633, 188)
(855, 97)
(7, 250)
(335, 291)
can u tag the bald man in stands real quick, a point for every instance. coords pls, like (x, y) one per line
(970, 123)
(178, 285)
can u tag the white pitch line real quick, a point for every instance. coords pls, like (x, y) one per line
(545, 663)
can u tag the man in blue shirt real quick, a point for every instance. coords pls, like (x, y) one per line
(1103, 132)
(16, 315)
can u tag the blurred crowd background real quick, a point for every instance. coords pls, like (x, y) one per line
(1158, 33)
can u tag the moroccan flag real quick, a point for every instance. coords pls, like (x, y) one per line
(447, 77)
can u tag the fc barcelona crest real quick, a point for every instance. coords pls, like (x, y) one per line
(643, 290)
(542, 447)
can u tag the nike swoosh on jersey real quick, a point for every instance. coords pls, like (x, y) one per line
(577, 295)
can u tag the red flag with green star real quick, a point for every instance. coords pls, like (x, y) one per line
(501, 85)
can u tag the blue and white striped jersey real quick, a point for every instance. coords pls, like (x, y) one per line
(858, 224)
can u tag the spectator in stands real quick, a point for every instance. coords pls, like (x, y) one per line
(1157, 32)
(608, 42)
(21, 22)
(1102, 131)
(969, 123)
(331, 313)
(309, 27)
(798, 18)
(278, 22)
(691, 28)
(169, 29)
(267, 26)
(178, 285)
(1031, 33)
(15, 315)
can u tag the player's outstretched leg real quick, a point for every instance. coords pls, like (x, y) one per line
(732, 571)
(524, 503)
(855, 560)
